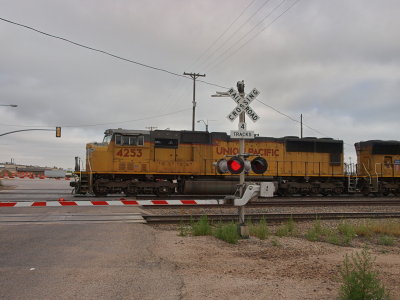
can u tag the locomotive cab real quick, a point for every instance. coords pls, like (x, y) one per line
(378, 165)
(118, 149)
(378, 158)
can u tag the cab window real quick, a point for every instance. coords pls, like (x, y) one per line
(140, 140)
(129, 140)
(165, 143)
(118, 139)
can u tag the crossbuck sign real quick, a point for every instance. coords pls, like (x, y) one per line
(243, 104)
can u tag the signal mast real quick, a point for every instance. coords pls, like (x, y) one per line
(239, 164)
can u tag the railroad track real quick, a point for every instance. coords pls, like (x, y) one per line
(302, 202)
(333, 202)
(271, 217)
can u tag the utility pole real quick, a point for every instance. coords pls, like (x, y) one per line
(194, 77)
(301, 125)
(151, 128)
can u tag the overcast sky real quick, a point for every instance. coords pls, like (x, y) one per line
(335, 62)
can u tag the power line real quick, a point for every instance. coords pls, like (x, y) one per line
(222, 34)
(246, 42)
(102, 51)
(160, 69)
(297, 121)
(233, 34)
(291, 118)
(101, 124)
(204, 52)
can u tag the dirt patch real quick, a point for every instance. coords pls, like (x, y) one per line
(276, 268)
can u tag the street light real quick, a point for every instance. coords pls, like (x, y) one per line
(204, 124)
(12, 105)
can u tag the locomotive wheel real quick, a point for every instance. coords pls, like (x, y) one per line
(100, 191)
(365, 190)
(162, 191)
(338, 190)
(314, 191)
(130, 191)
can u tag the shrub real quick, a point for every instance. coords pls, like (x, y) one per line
(386, 240)
(259, 230)
(202, 227)
(227, 232)
(291, 225)
(334, 239)
(347, 231)
(360, 281)
(315, 233)
(364, 230)
(312, 235)
(282, 231)
(286, 229)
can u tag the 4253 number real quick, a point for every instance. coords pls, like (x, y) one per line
(129, 153)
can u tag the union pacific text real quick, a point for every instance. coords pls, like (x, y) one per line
(268, 152)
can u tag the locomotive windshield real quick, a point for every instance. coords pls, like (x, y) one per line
(107, 139)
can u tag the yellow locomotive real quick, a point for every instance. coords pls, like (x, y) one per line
(164, 162)
(378, 167)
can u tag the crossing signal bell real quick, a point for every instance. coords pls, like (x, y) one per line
(58, 131)
(236, 165)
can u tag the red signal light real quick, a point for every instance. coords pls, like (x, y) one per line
(236, 165)
(259, 165)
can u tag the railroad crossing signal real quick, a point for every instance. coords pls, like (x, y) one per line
(236, 165)
(259, 165)
(243, 104)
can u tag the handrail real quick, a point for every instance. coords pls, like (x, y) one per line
(376, 172)
(369, 175)
(88, 154)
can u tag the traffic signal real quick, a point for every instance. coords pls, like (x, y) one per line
(236, 165)
(58, 131)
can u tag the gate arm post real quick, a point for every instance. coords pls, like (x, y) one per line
(252, 190)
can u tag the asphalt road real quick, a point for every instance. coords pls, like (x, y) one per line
(35, 189)
(84, 259)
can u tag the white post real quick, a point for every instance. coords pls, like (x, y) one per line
(243, 230)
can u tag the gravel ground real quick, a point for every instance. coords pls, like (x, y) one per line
(275, 268)
(186, 210)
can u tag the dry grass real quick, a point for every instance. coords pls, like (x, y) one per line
(369, 228)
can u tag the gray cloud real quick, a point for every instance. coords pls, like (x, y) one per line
(335, 62)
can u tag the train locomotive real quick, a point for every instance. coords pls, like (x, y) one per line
(165, 162)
